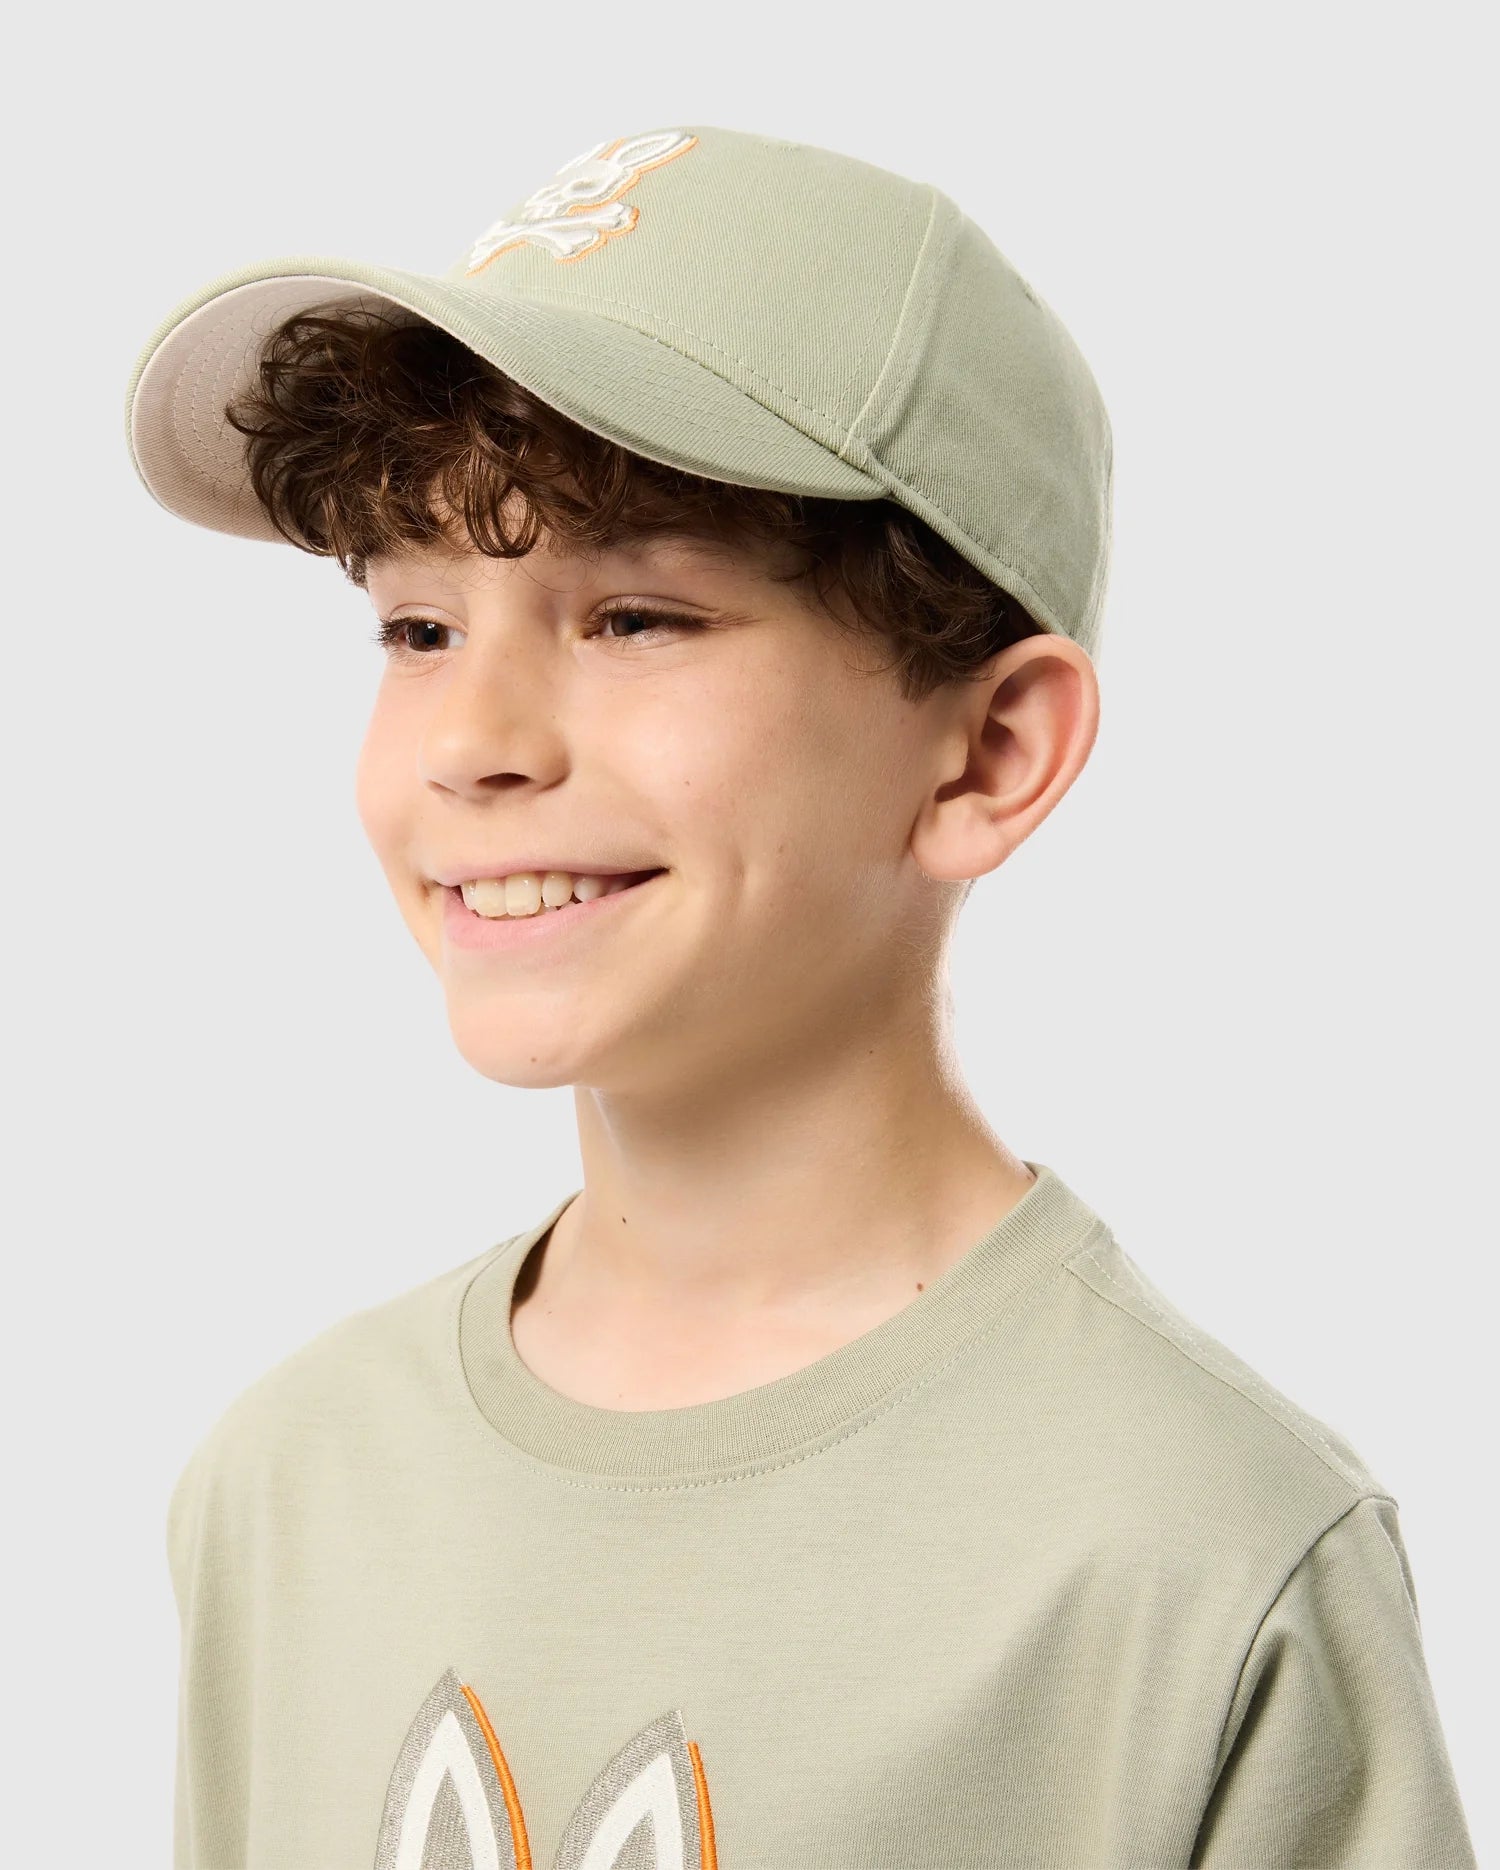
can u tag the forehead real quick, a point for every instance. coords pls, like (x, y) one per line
(663, 549)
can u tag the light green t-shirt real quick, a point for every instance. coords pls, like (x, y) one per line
(1035, 1573)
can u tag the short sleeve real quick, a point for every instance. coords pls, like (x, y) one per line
(1332, 1753)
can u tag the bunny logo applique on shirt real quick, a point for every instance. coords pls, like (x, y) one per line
(452, 1804)
(580, 208)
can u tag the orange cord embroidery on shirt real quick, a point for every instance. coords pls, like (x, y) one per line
(507, 1784)
(452, 1803)
(705, 1816)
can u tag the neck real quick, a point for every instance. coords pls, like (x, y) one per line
(830, 1184)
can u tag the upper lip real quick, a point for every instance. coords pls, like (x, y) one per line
(512, 866)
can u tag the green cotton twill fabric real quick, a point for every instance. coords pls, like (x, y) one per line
(1035, 1573)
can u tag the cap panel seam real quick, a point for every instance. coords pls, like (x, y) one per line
(924, 275)
(922, 295)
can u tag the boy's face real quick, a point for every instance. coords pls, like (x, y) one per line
(775, 784)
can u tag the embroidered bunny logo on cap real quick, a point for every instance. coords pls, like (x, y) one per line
(580, 208)
(452, 1804)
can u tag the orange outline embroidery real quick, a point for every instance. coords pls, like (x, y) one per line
(705, 1816)
(450, 1743)
(507, 1784)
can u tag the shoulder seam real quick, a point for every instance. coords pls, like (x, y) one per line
(1223, 1750)
(1200, 1353)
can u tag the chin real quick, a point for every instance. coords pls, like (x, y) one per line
(507, 1060)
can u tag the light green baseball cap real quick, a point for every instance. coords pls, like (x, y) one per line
(735, 305)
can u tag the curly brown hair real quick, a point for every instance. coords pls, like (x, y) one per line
(369, 429)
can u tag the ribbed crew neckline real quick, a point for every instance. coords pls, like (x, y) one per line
(775, 1421)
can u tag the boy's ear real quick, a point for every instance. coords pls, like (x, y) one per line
(1006, 746)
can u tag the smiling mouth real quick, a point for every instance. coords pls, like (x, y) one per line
(619, 886)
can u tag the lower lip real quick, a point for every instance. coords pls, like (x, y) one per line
(464, 929)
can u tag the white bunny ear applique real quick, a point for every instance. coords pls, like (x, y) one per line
(452, 1804)
(646, 1810)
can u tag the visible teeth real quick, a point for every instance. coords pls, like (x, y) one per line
(527, 892)
(523, 894)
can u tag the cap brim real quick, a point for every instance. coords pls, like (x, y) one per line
(624, 384)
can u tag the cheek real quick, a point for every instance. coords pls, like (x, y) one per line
(825, 764)
(718, 773)
(785, 782)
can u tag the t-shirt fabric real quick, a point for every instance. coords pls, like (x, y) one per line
(1034, 1573)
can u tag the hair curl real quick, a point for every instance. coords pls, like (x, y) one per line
(369, 429)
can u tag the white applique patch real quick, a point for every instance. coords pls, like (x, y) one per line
(580, 208)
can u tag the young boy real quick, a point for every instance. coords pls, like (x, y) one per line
(821, 1486)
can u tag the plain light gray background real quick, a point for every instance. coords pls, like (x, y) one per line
(1237, 990)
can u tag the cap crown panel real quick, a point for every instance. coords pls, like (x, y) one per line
(774, 232)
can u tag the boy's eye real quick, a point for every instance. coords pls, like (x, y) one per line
(400, 634)
(397, 634)
(616, 615)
